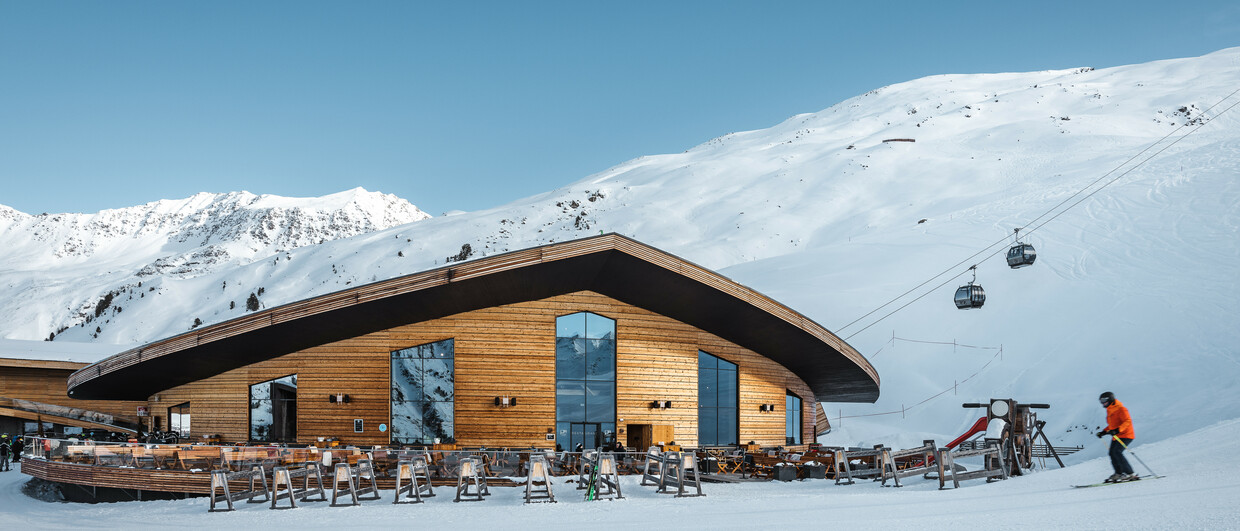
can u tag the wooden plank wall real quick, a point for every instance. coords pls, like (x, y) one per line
(120, 478)
(50, 386)
(505, 350)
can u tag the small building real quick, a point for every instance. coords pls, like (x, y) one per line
(33, 391)
(576, 343)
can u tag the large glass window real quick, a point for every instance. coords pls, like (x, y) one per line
(585, 380)
(273, 410)
(423, 387)
(717, 399)
(792, 423)
(178, 419)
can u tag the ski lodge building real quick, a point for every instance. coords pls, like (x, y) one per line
(576, 343)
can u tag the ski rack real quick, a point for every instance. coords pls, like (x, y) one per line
(538, 481)
(282, 476)
(604, 478)
(352, 478)
(654, 460)
(220, 479)
(679, 474)
(471, 474)
(418, 477)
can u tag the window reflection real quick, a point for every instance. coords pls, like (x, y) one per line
(718, 395)
(792, 421)
(600, 359)
(423, 393)
(585, 370)
(178, 419)
(273, 410)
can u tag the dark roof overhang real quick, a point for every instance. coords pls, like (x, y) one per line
(609, 264)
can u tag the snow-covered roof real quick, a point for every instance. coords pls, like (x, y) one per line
(21, 349)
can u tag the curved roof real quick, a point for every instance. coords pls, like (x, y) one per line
(610, 264)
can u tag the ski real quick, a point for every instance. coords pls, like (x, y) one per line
(1104, 484)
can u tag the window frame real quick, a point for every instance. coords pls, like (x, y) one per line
(249, 410)
(799, 417)
(422, 439)
(735, 370)
(586, 379)
(176, 429)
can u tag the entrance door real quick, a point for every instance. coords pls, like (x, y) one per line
(588, 435)
(640, 437)
(284, 398)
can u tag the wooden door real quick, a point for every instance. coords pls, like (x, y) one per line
(639, 437)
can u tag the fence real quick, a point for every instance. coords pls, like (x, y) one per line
(903, 411)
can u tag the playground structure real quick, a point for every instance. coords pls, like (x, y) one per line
(1006, 439)
(1016, 429)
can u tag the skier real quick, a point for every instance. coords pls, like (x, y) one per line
(1119, 426)
(5, 451)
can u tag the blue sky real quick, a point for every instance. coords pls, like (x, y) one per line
(470, 105)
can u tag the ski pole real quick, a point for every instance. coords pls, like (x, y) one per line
(1121, 443)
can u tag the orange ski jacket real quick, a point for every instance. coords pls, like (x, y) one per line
(1119, 419)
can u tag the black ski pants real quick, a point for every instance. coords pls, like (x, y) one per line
(1118, 462)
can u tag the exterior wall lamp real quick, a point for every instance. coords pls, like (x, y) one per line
(661, 404)
(338, 398)
(766, 407)
(506, 401)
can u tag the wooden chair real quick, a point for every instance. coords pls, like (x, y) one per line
(732, 462)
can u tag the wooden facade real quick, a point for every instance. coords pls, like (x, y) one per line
(506, 350)
(44, 382)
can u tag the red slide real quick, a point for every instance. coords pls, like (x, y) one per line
(978, 427)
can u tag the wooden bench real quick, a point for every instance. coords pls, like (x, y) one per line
(908, 462)
(199, 458)
(867, 461)
(994, 467)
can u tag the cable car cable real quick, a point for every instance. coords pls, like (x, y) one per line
(1052, 209)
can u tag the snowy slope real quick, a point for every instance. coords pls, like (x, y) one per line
(1134, 290)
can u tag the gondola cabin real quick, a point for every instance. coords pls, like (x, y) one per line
(1021, 255)
(970, 296)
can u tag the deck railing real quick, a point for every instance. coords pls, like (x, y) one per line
(200, 458)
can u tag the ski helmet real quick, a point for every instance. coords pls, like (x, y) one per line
(1107, 398)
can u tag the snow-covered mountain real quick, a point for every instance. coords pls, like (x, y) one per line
(836, 213)
(62, 271)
